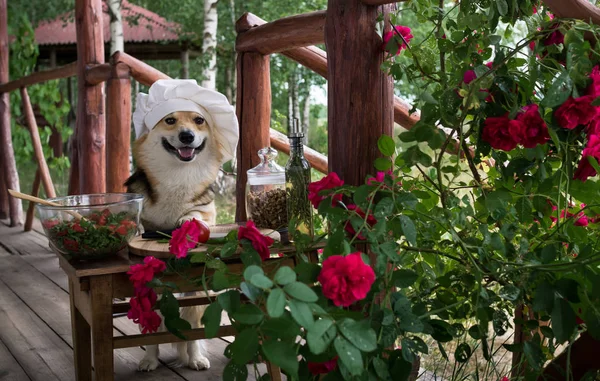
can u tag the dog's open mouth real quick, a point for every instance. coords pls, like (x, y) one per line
(183, 153)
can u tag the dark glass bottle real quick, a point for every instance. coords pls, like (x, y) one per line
(297, 178)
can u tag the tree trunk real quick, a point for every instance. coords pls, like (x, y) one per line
(306, 117)
(7, 154)
(232, 65)
(185, 63)
(209, 44)
(116, 26)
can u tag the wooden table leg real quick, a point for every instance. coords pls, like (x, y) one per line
(82, 343)
(274, 371)
(102, 327)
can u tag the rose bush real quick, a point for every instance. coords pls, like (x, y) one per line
(469, 219)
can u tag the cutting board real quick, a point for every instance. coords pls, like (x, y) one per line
(150, 247)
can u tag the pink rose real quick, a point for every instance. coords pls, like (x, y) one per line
(535, 131)
(322, 367)
(184, 238)
(316, 188)
(371, 221)
(585, 169)
(503, 133)
(260, 242)
(141, 274)
(346, 279)
(594, 87)
(142, 310)
(404, 31)
(555, 38)
(575, 112)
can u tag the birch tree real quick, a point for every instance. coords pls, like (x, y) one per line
(116, 26)
(209, 43)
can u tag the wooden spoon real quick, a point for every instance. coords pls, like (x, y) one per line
(30, 198)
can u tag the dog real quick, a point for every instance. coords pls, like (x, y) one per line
(176, 164)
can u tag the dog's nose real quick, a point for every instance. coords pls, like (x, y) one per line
(186, 137)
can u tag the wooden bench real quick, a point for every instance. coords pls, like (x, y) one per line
(93, 287)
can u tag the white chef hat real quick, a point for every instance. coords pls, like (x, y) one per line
(170, 95)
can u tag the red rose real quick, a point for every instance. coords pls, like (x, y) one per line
(328, 182)
(502, 133)
(185, 238)
(322, 367)
(371, 221)
(575, 112)
(536, 131)
(346, 280)
(555, 38)
(594, 87)
(260, 242)
(404, 31)
(585, 169)
(142, 312)
(141, 274)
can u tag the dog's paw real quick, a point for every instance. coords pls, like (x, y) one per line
(148, 364)
(199, 363)
(188, 217)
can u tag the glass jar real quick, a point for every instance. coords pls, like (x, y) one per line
(297, 177)
(265, 192)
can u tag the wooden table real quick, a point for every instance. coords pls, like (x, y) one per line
(93, 286)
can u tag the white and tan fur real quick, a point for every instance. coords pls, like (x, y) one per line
(177, 189)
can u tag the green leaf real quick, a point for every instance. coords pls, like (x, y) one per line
(408, 321)
(409, 229)
(283, 355)
(261, 281)
(360, 334)
(533, 354)
(199, 258)
(386, 145)
(212, 320)
(463, 353)
(176, 324)
(320, 335)
(543, 300)
(248, 314)
(235, 372)
(381, 368)
(220, 281)
(244, 348)
(307, 272)
(502, 7)
(301, 292)
(384, 208)
(301, 313)
(404, 278)
(229, 249)
(276, 303)
(559, 91)
(284, 275)
(382, 164)
(282, 328)
(250, 271)
(563, 320)
(349, 355)
(229, 301)
(510, 292)
(250, 291)
(428, 98)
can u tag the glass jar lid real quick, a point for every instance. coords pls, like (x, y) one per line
(267, 172)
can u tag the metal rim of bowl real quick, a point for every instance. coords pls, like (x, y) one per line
(135, 197)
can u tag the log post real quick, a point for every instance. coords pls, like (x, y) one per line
(3, 194)
(253, 110)
(38, 150)
(360, 94)
(91, 123)
(31, 208)
(118, 128)
(7, 155)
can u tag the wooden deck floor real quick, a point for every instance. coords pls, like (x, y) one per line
(35, 327)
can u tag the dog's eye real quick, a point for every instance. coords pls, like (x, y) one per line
(170, 121)
(198, 120)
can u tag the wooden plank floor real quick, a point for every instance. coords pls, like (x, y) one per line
(35, 326)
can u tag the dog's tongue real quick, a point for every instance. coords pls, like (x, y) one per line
(186, 152)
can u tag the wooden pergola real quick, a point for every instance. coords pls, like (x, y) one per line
(361, 104)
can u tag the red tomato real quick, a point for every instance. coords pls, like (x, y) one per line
(122, 230)
(77, 228)
(102, 220)
(70, 244)
(106, 213)
(204, 232)
(49, 224)
(62, 233)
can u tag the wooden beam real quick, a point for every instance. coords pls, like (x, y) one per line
(4, 208)
(96, 74)
(360, 95)
(40, 76)
(91, 121)
(576, 9)
(31, 208)
(118, 128)
(167, 337)
(246, 21)
(581, 358)
(284, 34)
(316, 159)
(140, 71)
(7, 155)
(253, 109)
(38, 150)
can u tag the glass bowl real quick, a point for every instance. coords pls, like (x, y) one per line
(110, 221)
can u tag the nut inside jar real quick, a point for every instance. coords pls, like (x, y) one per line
(267, 208)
